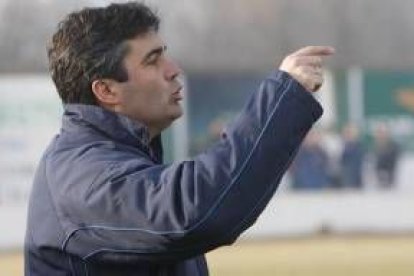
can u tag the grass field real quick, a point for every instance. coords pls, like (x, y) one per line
(322, 256)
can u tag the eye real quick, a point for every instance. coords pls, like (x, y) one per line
(153, 60)
(154, 57)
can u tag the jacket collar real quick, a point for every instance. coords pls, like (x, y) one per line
(118, 127)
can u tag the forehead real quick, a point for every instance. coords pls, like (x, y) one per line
(141, 45)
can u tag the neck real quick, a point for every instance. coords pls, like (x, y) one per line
(153, 129)
(153, 132)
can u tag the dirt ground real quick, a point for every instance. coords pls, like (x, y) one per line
(338, 256)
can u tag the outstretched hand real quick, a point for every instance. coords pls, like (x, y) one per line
(305, 65)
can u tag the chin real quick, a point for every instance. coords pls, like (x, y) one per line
(177, 116)
(172, 116)
(177, 113)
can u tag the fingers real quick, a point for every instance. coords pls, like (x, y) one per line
(315, 61)
(312, 77)
(305, 65)
(315, 51)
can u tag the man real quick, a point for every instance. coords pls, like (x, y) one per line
(310, 169)
(386, 157)
(103, 203)
(352, 157)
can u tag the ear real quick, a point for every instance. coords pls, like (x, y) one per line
(105, 91)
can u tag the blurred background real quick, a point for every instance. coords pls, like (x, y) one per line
(346, 205)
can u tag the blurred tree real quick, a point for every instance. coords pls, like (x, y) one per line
(25, 29)
(234, 35)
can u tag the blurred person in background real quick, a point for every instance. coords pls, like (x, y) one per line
(310, 168)
(332, 144)
(215, 130)
(103, 202)
(352, 158)
(386, 154)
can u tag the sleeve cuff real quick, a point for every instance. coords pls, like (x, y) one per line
(299, 92)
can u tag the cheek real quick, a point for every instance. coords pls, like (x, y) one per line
(148, 90)
(156, 92)
(153, 99)
(151, 81)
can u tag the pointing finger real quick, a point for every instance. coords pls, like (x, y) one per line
(315, 51)
(309, 60)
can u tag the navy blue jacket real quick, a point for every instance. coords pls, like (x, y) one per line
(103, 203)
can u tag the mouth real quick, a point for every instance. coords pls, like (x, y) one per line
(176, 95)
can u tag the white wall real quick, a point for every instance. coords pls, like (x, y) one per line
(288, 215)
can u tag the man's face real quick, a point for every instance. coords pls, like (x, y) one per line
(152, 93)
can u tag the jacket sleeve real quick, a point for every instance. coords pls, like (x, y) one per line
(139, 211)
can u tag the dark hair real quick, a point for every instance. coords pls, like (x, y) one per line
(91, 44)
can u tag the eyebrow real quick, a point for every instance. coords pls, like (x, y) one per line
(156, 51)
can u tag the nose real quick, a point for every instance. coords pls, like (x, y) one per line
(172, 70)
